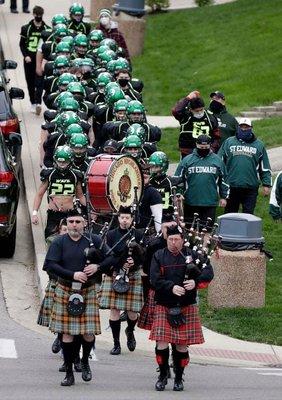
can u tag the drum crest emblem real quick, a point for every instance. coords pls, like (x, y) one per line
(124, 186)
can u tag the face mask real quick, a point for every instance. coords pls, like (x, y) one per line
(199, 114)
(87, 75)
(244, 135)
(203, 152)
(123, 82)
(38, 18)
(216, 107)
(105, 21)
(77, 18)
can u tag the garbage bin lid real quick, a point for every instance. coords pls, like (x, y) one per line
(240, 227)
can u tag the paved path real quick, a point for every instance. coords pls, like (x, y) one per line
(182, 4)
(218, 348)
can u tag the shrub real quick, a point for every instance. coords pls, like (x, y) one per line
(157, 5)
(202, 3)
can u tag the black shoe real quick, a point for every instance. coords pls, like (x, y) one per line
(56, 346)
(86, 372)
(131, 342)
(123, 316)
(178, 385)
(116, 350)
(160, 384)
(63, 368)
(26, 11)
(77, 365)
(68, 380)
(14, 11)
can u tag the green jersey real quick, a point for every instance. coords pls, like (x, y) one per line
(247, 163)
(205, 179)
(275, 203)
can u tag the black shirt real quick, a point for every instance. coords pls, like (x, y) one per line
(150, 198)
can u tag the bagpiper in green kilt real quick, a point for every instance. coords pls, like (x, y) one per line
(47, 303)
(87, 323)
(129, 301)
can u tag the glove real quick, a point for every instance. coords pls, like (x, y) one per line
(175, 317)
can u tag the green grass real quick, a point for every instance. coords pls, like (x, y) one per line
(268, 130)
(263, 324)
(233, 47)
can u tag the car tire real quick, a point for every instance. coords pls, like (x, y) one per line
(8, 243)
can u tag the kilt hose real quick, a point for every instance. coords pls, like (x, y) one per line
(187, 334)
(146, 317)
(87, 323)
(47, 304)
(129, 301)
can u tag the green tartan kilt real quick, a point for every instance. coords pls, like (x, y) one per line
(129, 301)
(47, 304)
(87, 323)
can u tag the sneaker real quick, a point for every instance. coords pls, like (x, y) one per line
(38, 109)
(33, 109)
(14, 11)
(26, 11)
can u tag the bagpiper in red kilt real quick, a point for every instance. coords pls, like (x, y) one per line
(176, 320)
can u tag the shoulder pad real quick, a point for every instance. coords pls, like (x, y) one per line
(209, 112)
(45, 173)
(78, 174)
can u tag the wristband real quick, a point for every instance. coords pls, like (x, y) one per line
(34, 212)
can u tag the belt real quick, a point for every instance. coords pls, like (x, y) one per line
(67, 283)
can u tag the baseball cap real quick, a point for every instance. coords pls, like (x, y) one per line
(217, 93)
(203, 139)
(245, 121)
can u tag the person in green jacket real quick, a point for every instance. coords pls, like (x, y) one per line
(226, 122)
(247, 166)
(204, 173)
(275, 203)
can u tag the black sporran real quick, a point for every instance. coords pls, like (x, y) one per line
(76, 305)
(175, 317)
(121, 283)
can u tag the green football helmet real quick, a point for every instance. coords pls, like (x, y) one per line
(106, 57)
(101, 50)
(61, 97)
(65, 79)
(137, 129)
(111, 43)
(78, 143)
(76, 9)
(102, 80)
(60, 31)
(73, 129)
(77, 89)
(81, 40)
(63, 47)
(121, 63)
(63, 156)
(132, 145)
(111, 66)
(158, 163)
(61, 62)
(96, 35)
(135, 111)
(68, 39)
(65, 119)
(119, 109)
(113, 93)
(69, 105)
(59, 19)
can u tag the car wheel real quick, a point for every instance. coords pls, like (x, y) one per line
(8, 243)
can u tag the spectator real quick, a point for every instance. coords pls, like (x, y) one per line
(227, 123)
(275, 204)
(247, 166)
(30, 36)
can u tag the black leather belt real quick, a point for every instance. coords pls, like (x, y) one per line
(67, 283)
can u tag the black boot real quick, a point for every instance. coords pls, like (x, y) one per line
(162, 360)
(85, 367)
(180, 360)
(68, 352)
(115, 326)
(56, 346)
(129, 331)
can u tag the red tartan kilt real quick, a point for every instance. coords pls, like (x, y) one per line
(145, 320)
(187, 334)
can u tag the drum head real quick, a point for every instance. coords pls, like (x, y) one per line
(124, 175)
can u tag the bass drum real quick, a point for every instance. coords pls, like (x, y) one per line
(111, 180)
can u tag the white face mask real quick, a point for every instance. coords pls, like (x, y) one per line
(199, 114)
(105, 21)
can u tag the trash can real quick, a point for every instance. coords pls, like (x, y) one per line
(239, 265)
(136, 8)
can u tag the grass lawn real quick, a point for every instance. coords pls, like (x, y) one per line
(233, 47)
(263, 324)
(268, 130)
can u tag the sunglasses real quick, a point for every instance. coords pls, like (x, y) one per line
(77, 221)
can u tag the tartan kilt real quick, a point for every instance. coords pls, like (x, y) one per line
(146, 316)
(87, 323)
(129, 301)
(187, 334)
(47, 303)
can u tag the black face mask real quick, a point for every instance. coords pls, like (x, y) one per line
(38, 18)
(216, 107)
(87, 75)
(203, 152)
(78, 97)
(123, 82)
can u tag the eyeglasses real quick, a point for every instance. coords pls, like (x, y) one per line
(72, 221)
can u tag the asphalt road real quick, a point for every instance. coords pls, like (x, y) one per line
(28, 369)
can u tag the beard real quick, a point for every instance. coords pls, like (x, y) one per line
(74, 233)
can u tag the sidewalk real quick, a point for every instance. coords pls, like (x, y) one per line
(218, 348)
